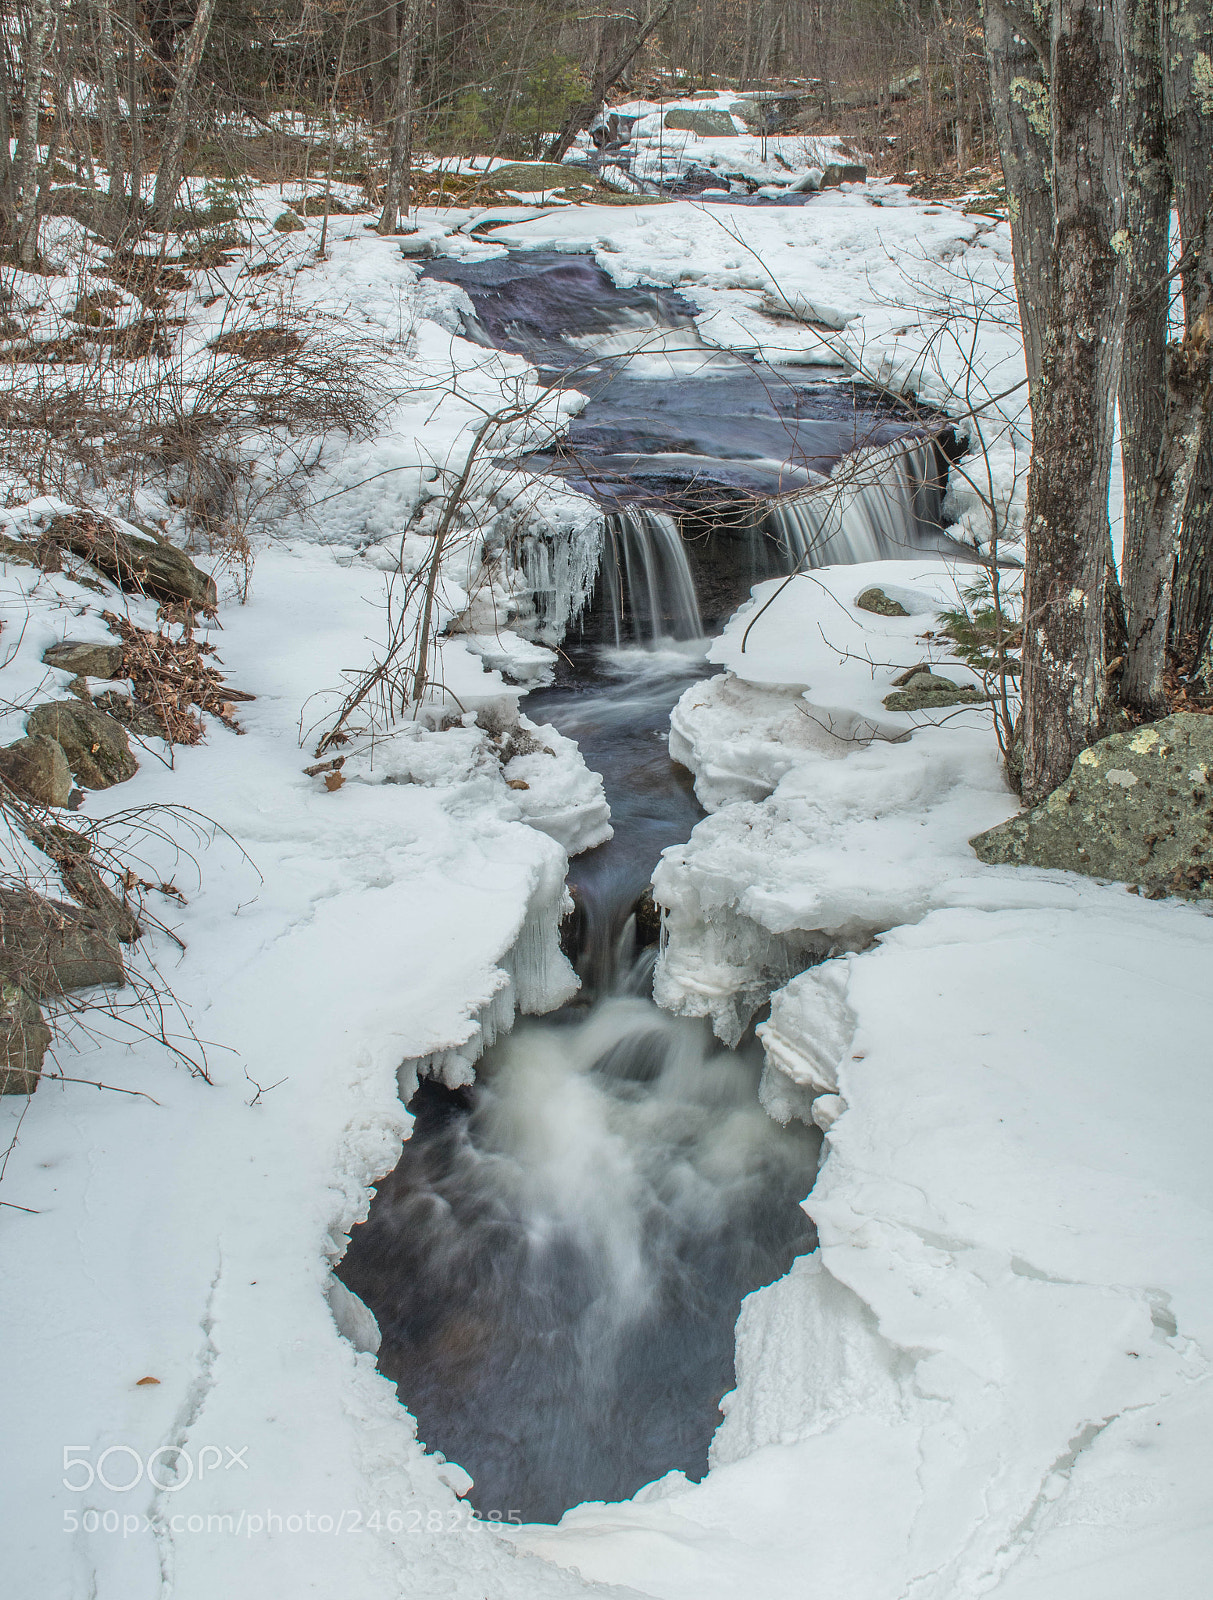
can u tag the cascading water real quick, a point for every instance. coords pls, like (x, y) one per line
(647, 578)
(558, 1260)
(557, 1266)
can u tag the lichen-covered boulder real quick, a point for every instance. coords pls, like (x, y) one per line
(24, 1037)
(703, 124)
(877, 601)
(85, 660)
(1137, 807)
(36, 768)
(927, 691)
(288, 222)
(97, 748)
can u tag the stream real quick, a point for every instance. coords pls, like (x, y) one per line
(558, 1261)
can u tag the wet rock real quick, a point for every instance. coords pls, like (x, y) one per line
(36, 768)
(878, 601)
(703, 124)
(97, 748)
(24, 1037)
(1137, 807)
(926, 691)
(49, 947)
(648, 920)
(86, 660)
(842, 172)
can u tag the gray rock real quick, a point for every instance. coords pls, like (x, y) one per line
(878, 601)
(149, 566)
(87, 660)
(926, 691)
(24, 1037)
(134, 715)
(288, 222)
(97, 748)
(704, 124)
(837, 173)
(37, 769)
(1137, 807)
(49, 947)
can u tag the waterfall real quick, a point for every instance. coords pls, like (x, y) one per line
(878, 505)
(647, 578)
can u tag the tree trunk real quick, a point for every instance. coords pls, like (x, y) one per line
(168, 173)
(1188, 101)
(111, 113)
(1017, 59)
(41, 31)
(1072, 409)
(397, 194)
(607, 74)
(1149, 546)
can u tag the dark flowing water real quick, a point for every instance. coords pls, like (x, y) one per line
(558, 1260)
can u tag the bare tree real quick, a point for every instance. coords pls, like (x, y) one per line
(168, 174)
(396, 190)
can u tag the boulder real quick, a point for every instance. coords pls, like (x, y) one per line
(703, 124)
(150, 566)
(24, 1037)
(1137, 807)
(842, 172)
(86, 660)
(133, 714)
(926, 691)
(288, 222)
(49, 947)
(97, 748)
(878, 601)
(36, 768)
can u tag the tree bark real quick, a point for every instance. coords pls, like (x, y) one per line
(397, 193)
(1017, 60)
(1187, 32)
(1149, 544)
(111, 114)
(168, 173)
(1072, 408)
(41, 32)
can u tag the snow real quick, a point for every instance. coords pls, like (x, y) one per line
(994, 1376)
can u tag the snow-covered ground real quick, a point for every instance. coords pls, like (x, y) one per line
(993, 1378)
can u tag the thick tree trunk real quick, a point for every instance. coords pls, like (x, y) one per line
(168, 173)
(1017, 60)
(1067, 509)
(1187, 27)
(397, 192)
(1149, 544)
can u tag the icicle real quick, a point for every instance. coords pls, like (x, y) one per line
(648, 578)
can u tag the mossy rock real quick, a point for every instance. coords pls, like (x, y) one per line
(97, 748)
(927, 691)
(1137, 808)
(877, 600)
(36, 768)
(24, 1038)
(534, 177)
(288, 222)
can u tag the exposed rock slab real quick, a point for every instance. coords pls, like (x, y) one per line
(97, 748)
(1137, 807)
(703, 124)
(37, 769)
(85, 660)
